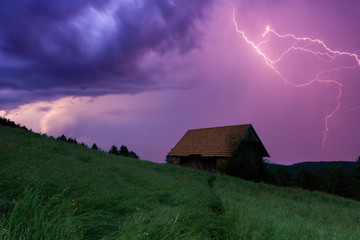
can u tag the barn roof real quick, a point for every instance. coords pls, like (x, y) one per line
(213, 142)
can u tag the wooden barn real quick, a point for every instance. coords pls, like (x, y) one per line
(208, 148)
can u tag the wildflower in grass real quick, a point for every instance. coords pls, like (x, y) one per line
(4, 231)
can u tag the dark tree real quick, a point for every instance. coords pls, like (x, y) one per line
(8, 123)
(124, 151)
(241, 167)
(62, 138)
(335, 182)
(168, 159)
(133, 155)
(283, 177)
(358, 165)
(246, 164)
(72, 140)
(308, 180)
(94, 147)
(265, 173)
(353, 189)
(114, 150)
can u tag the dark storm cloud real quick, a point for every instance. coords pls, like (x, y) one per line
(88, 44)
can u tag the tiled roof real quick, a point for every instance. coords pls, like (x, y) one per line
(210, 142)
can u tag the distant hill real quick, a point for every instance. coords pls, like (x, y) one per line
(320, 168)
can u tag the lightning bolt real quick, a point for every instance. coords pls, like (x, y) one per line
(353, 109)
(304, 44)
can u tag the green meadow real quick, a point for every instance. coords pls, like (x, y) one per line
(50, 189)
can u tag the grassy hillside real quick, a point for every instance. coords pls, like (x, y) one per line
(55, 190)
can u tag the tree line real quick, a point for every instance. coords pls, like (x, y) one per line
(123, 151)
(336, 181)
(8, 123)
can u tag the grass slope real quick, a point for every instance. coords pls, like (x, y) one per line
(55, 190)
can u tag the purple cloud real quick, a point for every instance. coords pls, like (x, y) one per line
(76, 48)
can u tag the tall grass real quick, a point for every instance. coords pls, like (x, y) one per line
(260, 211)
(54, 190)
(33, 217)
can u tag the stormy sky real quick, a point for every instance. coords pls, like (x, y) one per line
(141, 73)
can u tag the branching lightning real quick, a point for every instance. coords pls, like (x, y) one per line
(304, 44)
